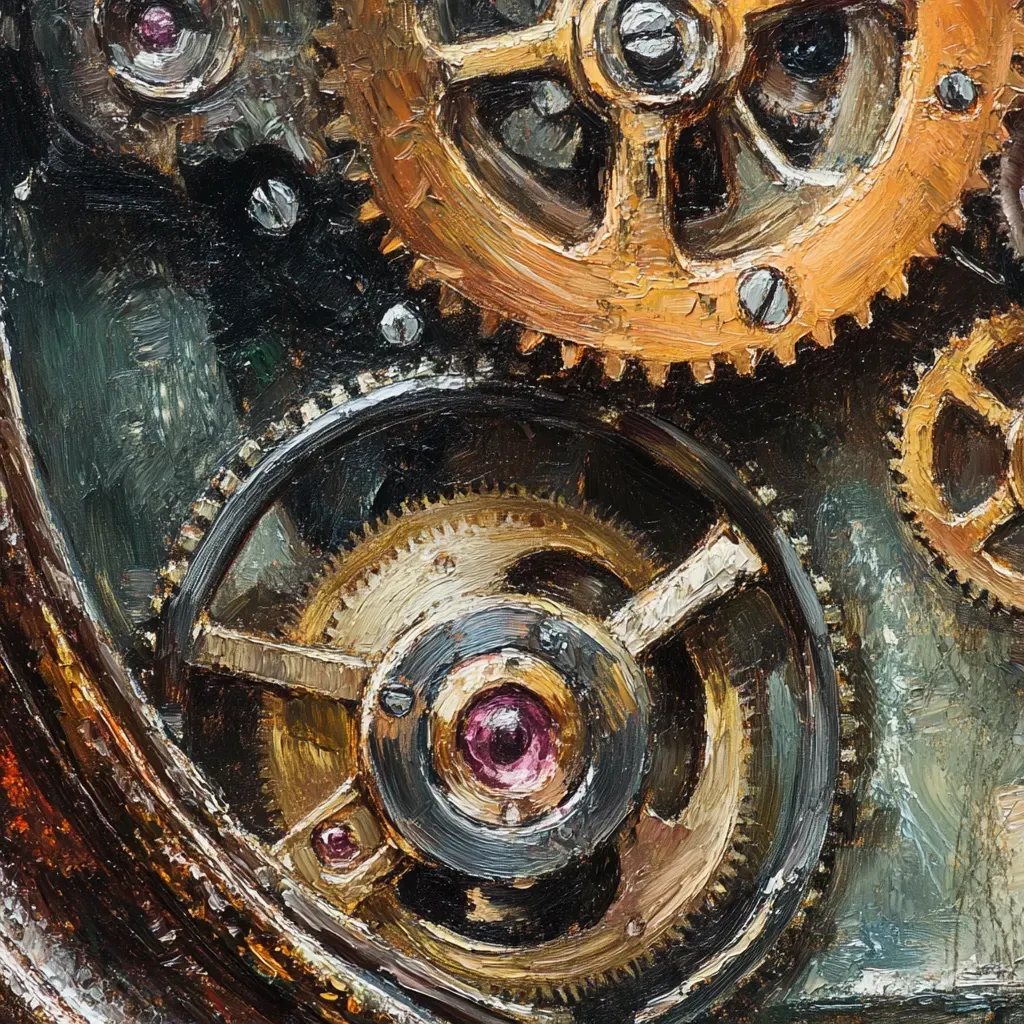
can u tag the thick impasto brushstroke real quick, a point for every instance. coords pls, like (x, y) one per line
(511, 511)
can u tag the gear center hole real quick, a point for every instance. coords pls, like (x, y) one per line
(507, 737)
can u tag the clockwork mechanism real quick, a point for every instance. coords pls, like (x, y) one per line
(672, 180)
(561, 713)
(962, 456)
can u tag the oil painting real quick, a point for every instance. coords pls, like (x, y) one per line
(511, 511)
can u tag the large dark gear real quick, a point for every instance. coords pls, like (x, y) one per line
(503, 694)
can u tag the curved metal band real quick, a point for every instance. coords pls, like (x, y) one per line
(750, 929)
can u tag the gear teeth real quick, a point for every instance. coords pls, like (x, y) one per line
(572, 354)
(956, 219)
(703, 370)
(450, 302)
(927, 250)
(419, 273)
(862, 314)
(340, 130)
(977, 182)
(369, 212)
(656, 373)
(785, 351)
(530, 339)
(614, 366)
(824, 333)
(326, 35)
(391, 243)
(898, 287)
(997, 139)
(490, 322)
(744, 361)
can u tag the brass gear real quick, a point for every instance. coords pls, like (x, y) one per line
(630, 288)
(738, 648)
(443, 551)
(963, 537)
(356, 599)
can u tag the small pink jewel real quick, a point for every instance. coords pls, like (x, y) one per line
(508, 740)
(336, 847)
(157, 28)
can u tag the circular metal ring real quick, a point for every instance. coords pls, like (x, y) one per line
(779, 882)
(511, 682)
(610, 689)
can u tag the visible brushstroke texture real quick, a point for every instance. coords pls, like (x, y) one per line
(124, 376)
(368, 659)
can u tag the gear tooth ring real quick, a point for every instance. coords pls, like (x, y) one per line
(483, 145)
(459, 718)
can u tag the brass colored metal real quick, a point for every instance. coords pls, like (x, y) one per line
(634, 289)
(962, 539)
(436, 556)
(325, 672)
(433, 554)
(669, 869)
(447, 550)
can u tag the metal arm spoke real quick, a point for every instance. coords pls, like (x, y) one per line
(721, 562)
(537, 48)
(321, 671)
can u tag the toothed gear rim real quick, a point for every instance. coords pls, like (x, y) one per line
(631, 285)
(743, 933)
(481, 538)
(965, 535)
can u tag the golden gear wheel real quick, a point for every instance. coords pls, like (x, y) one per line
(358, 598)
(963, 537)
(796, 246)
(436, 553)
(310, 750)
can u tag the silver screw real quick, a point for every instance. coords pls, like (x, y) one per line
(274, 206)
(957, 92)
(765, 297)
(650, 39)
(397, 699)
(401, 325)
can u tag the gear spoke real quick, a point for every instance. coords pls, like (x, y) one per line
(320, 671)
(636, 222)
(543, 47)
(968, 391)
(721, 562)
(930, 444)
(764, 187)
(753, 140)
(982, 522)
(340, 838)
